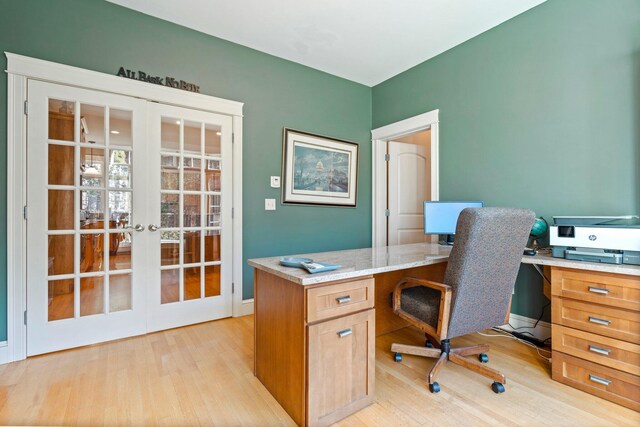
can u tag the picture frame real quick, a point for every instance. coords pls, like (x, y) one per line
(318, 170)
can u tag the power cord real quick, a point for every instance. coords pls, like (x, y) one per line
(535, 324)
(505, 334)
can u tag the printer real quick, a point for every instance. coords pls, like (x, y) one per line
(606, 239)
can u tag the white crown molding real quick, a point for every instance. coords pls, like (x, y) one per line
(73, 76)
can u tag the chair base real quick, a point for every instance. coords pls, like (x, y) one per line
(456, 355)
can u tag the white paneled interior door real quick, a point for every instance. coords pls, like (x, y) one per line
(190, 198)
(408, 187)
(85, 245)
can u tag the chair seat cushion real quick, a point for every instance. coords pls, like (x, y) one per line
(422, 303)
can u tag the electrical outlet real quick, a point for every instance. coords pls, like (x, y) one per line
(269, 204)
(275, 182)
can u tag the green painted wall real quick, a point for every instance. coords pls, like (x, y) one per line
(100, 36)
(542, 112)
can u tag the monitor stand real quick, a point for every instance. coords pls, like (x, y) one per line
(446, 239)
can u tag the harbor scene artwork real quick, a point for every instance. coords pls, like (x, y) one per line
(318, 170)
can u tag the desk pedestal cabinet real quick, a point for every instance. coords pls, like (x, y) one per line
(596, 333)
(315, 346)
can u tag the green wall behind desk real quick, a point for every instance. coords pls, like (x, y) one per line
(541, 112)
(101, 36)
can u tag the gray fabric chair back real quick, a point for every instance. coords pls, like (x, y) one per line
(483, 266)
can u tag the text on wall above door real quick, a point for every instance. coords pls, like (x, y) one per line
(162, 81)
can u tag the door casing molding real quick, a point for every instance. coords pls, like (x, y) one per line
(379, 138)
(22, 68)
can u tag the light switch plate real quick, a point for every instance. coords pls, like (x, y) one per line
(269, 204)
(275, 182)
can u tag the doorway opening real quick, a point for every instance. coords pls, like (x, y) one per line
(132, 206)
(405, 174)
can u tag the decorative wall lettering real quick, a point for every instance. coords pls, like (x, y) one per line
(162, 81)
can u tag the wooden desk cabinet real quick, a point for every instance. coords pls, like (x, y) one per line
(596, 333)
(315, 346)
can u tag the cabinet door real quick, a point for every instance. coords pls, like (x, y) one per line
(341, 358)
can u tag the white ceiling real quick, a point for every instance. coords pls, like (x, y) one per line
(367, 41)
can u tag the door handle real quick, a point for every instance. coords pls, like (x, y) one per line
(599, 350)
(345, 333)
(138, 227)
(599, 380)
(343, 299)
(596, 290)
(153, 227)
(599, 321)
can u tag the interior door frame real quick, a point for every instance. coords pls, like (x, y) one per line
(379, 138)
(19, 70)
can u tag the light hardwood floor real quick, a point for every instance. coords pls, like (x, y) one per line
(202, 375)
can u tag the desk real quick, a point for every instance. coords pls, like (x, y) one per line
(314, 353)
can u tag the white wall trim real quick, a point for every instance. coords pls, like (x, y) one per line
(542, 331)
(238, 303)
(4, 352)
(16, 227)
(20, 69)
(379, 138)
(245, 309)
(39, 69)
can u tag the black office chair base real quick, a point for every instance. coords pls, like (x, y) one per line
(456, 355)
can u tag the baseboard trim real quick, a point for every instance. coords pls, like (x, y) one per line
(5, 353)
(542, 330)
(245, 308)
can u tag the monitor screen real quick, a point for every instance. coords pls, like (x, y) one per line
(442, 217)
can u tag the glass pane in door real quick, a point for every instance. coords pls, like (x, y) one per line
(89, 191)
(190, 211)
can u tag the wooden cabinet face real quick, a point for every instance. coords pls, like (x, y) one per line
(341, 366)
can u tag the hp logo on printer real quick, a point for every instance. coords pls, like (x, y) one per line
(592, 237)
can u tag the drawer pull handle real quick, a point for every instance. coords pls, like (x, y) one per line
(343, 299)
(345, 333)
(599, 321)
(599, 350)
(599, 380)
(595, 290)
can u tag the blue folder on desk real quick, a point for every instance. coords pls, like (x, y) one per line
(308, 264)
(319, 267)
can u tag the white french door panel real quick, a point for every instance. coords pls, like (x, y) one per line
(85, 262)
(190, 200)
(408, 187)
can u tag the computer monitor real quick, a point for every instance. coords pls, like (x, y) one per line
(442, 217)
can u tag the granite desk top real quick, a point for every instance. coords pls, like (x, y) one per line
(369, 261)
(358, 262)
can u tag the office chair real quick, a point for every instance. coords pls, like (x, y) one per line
(476, 293)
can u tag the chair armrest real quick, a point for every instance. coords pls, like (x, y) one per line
(444, 310)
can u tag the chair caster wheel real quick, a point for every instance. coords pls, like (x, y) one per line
(483, 357)
(397, 357)
(434, 387)
(428, 344)
(497, 387)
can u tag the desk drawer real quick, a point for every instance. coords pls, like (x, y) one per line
(599, 319)
(601, 381)
(325, 302)
(606, 351)
(616, 290)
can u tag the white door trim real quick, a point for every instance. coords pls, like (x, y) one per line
(379, 138)
(20, 69)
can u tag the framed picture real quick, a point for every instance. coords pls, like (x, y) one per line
(318, 170)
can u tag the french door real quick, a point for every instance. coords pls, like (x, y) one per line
(190, 196)
(127, 217)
